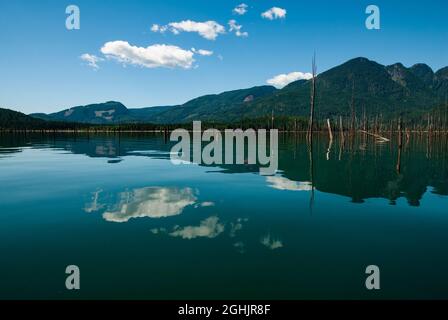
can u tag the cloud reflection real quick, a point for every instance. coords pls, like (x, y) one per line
(270, 242)
(281, 183)
(151, 202)
(94, 205)
(208, 228)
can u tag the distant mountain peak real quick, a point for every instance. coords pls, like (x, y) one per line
(422, 67)
(398, 73)
(423, 72)
(442, 73)
(358, 60)
(397, 65)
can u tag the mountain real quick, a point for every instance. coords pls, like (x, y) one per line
(10, 119)
(379, 89)
(204, 108)
(441, 78)
(388, 90)
(110, 112)
(13, 120)
(217, 107)
(100, 113)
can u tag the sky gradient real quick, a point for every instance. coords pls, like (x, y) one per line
(41, 68)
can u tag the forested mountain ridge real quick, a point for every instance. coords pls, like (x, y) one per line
(391, 91)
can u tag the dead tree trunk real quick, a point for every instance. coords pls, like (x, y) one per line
(330, 133)
(364, 119)
(400, 145)
(446, 115)
(313, 101)
(352, 107)
(341, 128)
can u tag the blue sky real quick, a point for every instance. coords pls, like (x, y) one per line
(41, 68)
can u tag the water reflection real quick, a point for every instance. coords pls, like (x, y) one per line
(208, 228)
(360, 169)
(60, 186)
(270, 242)
(282, 183)
(150, 202)
(94, 205)
(236, 226)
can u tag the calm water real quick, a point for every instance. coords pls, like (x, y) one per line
(140, 227)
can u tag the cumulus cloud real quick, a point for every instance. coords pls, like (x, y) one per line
(281, 183)
(208, 29)
(202, 52)
(274, 13)
(241, 9)
(91, 60)
(235, 27)
(154, 56)
(208, 228)
(282, 80)
(151, 202)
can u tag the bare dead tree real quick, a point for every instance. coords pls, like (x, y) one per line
(400, 146)
(446, 114)
(341, 129)
(352, 107)
(313, 100)
(330, 132)
(364, 119)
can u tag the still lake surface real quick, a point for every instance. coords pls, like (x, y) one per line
(140, 227)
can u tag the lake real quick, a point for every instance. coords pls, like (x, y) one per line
(140, 227)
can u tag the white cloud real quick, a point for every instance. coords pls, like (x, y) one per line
(91, 60)
(240, 9)
(274, 13)
(208, 228)
(151, 202)
(282, 80)
(205, 52)
(157, 28)
(154, 56)
(202, 52)
(237, 28)
(208, 29)
(281, 183)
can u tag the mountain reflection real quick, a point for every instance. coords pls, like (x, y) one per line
(151, 202)
(359, 169)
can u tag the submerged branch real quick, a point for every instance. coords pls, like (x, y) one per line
(375, 135)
